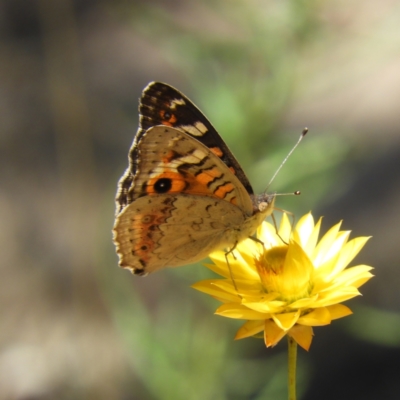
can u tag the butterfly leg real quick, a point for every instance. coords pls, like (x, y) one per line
(230, 251)
(287, 212)
(257, 240)
(276, 225)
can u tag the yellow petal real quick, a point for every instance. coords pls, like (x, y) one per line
(336, 296)
(239, 268)
(362, 279)
(209, 287)
(244, 288)
(325, 244)
(297, 272)
(304, 230)
(302, 335)
(323, 271)
(339, 311)
(332, 267)
(287, 320)
(265, 306)
(250, 328)
(317, 317)
(219, 266)
(272, 333)
(267, 234)
(349, 251)
(312, 241)
(327, 269)
(304, 303)
(337, 245)
(262, 297)
(237, 311)
(354, 274)
(248, 250)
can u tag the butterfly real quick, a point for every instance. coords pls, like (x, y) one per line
(183, 194)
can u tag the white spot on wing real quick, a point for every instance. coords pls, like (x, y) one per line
(192, 130)
(194, 157)
(201, 127)
(176, 102)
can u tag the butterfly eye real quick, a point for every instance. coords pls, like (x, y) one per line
(167, 182)
(163, 185)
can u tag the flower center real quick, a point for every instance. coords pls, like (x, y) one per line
(274, 259)
(282, 273)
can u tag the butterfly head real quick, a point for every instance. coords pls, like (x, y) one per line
(264, 203)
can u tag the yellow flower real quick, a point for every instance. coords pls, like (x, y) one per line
(290, 283)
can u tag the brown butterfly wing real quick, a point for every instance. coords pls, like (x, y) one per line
(162, 104)
(185, 203)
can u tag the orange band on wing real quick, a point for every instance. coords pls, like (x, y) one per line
(217, 151)
(222, 191)
(208, 176)
(174, 182)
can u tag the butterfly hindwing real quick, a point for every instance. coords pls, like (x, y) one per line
(164, 230)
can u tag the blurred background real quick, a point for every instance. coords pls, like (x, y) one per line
(74, 325)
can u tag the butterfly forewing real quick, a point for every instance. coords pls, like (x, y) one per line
(183, 194)
(162, 104)
(173, 162)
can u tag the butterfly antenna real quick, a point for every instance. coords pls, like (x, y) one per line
(296, 193)
(305, 130)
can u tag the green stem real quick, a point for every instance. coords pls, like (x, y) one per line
(292, 353)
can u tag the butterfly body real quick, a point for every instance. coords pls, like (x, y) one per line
(184, 194)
